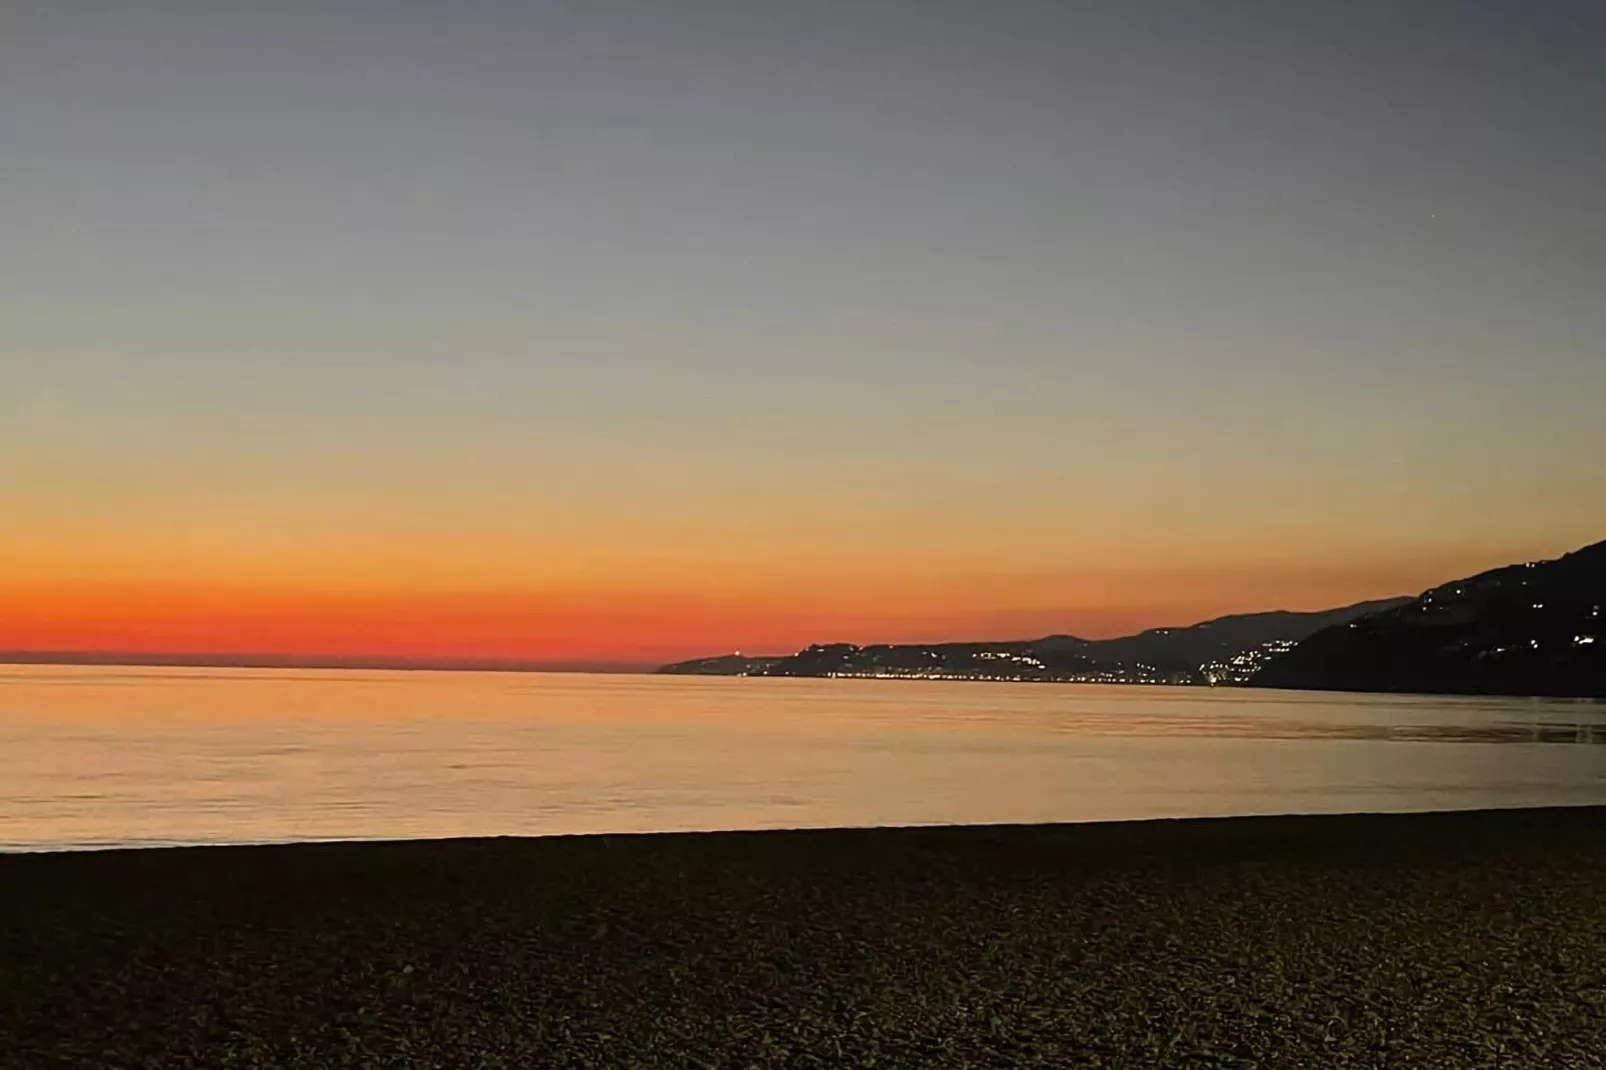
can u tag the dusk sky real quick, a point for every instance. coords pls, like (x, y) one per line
(626, 331)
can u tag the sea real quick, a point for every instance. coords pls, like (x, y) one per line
(125, 757)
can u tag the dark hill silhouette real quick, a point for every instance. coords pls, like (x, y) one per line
(721, 665)
(1222, 637)
(1174, 655)
(1531, 629)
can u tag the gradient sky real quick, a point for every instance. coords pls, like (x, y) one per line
(632, 329)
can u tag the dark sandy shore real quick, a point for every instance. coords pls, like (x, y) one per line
(1452, 940)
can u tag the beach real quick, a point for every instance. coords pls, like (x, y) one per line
(1443, 940)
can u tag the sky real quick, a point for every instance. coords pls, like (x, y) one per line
(626, 330)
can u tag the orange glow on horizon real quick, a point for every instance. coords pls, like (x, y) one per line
(628, 624)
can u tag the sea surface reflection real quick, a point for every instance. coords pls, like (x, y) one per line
(117, 756)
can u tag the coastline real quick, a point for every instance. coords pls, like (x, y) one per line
(1472, 938)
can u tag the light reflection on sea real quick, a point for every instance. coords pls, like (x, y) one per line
(125, 756)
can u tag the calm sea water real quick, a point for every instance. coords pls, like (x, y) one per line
(117, 756)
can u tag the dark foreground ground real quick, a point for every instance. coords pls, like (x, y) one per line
(1460, 940)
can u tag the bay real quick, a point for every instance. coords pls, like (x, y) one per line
(110, 756)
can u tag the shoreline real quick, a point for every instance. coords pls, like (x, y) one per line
(247, 663)
(1450, 938)
(1141, 826)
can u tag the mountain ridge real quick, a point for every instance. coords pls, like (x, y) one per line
(1534, 628)
(1198, 653)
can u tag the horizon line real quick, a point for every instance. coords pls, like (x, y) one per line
(312, 661)
(246, 660)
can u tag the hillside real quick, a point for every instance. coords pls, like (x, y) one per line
(1529, 629)
(1196, 653)
(722, 665)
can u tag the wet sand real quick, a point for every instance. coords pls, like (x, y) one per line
(1445, 940)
